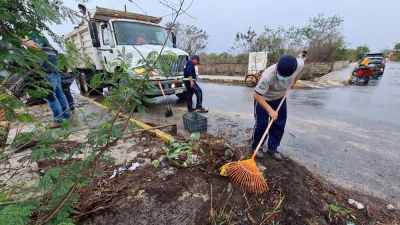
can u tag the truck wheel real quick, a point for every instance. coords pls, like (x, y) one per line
(81, 83)
(182, 96)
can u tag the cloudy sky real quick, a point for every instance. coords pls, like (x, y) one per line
(372, 22)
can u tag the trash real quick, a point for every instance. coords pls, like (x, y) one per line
(194, 158)
(134, 166)
(261, 168)
(229, 188)
(114, 174)
(390, 207)
(355, 204)
(350, 223)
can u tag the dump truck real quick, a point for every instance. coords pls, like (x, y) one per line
(107, 32)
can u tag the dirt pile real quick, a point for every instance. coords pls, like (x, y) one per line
(199, 195)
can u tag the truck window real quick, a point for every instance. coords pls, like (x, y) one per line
(129, 33)
(105, 36)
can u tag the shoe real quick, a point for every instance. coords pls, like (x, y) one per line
(275, 155)
(54, 126)
(72, 108)
(191, 110)
(261, 153)
(202, 110)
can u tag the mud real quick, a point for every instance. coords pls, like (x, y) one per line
(199, 195)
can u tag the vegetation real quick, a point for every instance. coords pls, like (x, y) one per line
(190, 38)
(55, 194)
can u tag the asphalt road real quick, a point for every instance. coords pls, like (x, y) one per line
(350, 135)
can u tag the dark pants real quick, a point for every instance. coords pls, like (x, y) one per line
(195, 90)
(68, 96)
(277, 129)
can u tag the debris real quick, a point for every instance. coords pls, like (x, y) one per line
(350, 223)
(261, 168)
(355, 204)
(390, 207)
(134, 166)
(228, 154)
(114, 174)
(182, 156)
(229, 188)
(194, 158)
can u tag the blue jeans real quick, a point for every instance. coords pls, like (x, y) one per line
(57, 101)
(277, 129)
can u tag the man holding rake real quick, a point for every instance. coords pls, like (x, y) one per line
(269, 92)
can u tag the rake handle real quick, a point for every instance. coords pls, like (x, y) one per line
(268, 127)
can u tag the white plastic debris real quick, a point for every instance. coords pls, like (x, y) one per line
(114, 174)
(134, 166)
(390, 207)
(355, 204)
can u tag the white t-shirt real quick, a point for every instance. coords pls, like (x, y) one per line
(271, 87)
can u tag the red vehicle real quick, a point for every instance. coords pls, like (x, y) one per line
(362, 74)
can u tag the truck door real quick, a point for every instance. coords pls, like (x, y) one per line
(108, 52)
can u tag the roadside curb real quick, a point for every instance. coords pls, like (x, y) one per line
(241, 82)
(160, 134)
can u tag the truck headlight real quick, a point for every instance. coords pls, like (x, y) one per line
(172, 85)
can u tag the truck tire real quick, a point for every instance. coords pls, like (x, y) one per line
(83, 82)
(182, 96)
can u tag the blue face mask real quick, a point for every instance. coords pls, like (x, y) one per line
(282, 78)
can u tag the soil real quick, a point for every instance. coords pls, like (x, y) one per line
(199, 195)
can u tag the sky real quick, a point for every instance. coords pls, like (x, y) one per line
(371, 22)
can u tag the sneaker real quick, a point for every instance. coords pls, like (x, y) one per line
(275, 155)
(261, 153)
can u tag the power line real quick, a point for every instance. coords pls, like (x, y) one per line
(138, 6)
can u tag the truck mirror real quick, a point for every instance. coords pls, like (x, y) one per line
(94, 34)
(103, 25)
(173, 37)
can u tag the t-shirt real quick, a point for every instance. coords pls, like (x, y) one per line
(189, 70)
(271, 87)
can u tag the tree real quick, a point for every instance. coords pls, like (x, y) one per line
(190, 38)
(397, 47)
(323, 37)
(361, 51)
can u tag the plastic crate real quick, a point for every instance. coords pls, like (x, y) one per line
(194, 122)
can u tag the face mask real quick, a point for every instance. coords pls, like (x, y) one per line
(282, 78)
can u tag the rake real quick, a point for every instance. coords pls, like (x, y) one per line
(245, 173)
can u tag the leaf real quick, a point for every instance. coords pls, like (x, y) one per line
(195, 137)
(3, 197)
(155, 163)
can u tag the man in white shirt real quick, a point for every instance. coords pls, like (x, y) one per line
(270, 90)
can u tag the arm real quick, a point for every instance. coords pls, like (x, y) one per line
(191, 81)
(261, 100)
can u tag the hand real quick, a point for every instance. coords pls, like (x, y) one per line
(273, 114)
(191, 84)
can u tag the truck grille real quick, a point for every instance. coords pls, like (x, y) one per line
(176, 67)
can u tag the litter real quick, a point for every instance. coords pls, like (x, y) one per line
(121, 169)
(134, 166)
(355, 204)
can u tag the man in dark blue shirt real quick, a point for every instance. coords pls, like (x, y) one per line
(191, 85)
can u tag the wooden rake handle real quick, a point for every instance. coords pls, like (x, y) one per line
(268, 127)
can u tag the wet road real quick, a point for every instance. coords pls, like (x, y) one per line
(350, 135)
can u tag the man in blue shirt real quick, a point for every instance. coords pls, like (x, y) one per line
(191, 85)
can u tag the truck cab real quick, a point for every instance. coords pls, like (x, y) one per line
(110, 31)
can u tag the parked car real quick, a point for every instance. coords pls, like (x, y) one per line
(377, 64)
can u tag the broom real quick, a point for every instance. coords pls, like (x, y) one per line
(244, 173)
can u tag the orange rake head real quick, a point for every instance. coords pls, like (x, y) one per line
(245, 174)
